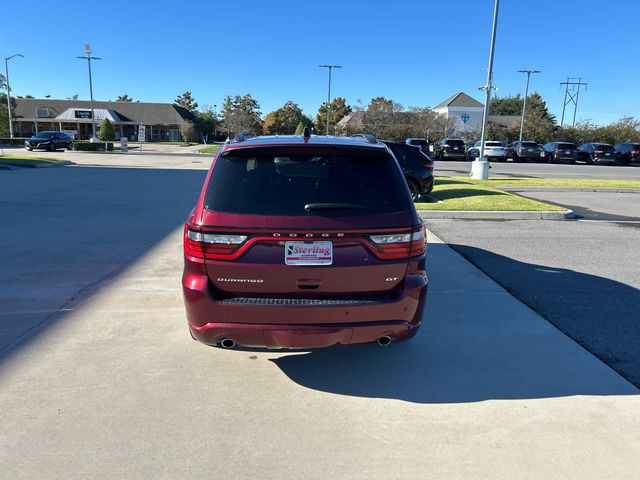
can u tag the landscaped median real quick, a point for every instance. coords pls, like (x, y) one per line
(455, 197)
(32, 161)
(210, 149)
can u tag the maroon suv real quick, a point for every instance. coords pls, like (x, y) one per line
(301, 242)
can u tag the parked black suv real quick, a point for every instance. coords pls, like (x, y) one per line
(416, 166)
(627, 153)
(560, 152)
(596, 153)
(527, 151)
(49, 141)
(450, 149)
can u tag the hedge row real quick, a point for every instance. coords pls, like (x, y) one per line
(12, 141)
(92, 147)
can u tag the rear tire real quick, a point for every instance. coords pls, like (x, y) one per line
(414, 189)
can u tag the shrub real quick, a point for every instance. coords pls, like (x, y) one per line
(106, 132)
(92, 147)
(12, 141)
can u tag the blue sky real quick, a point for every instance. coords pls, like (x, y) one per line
(415, 52)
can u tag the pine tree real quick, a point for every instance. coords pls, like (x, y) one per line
(107, 132)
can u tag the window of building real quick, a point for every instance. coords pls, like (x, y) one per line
(42, 112)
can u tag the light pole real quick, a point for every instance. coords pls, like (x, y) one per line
(88, 58)
(480, 167)
(328, 109)
(526, 93)
(6, 71)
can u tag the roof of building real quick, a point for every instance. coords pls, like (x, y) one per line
(137, 112)
(460, 99)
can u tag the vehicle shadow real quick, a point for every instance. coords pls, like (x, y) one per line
(67, 229)
(474, 345)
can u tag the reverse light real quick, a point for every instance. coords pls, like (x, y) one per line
(215, 238)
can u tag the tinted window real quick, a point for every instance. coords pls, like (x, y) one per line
(604, 148)
(419, 143)
(492, 144)
(529, 144)
(45, 135)
(282, 181)
(566, 146)
(455, 143)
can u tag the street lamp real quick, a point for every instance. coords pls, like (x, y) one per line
(328, 109)
(88, 58)
(526, 93)
(6, 71)
(480, 167)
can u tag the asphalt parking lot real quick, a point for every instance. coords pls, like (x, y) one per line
(100, 379)
(553, 170)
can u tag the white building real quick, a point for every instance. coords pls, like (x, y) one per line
(463, 109)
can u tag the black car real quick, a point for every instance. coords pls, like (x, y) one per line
(421, 143)
(416, 166)
(560, 152)
(627, 153)
(596, 153)
(523, 151)
(450, 149)
(49, 141)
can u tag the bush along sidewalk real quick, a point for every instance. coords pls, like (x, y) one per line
(92, 147)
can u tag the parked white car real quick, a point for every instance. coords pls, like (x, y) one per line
(492, 150)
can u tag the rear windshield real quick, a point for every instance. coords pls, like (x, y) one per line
(305, 181)
(493, 144)
(529, 144)
(604, 148)
(455, 143)
(44, 135)
(566, 146)
(420, 143)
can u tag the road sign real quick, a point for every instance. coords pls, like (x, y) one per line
(141, 133)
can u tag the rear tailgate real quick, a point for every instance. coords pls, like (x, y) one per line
(308, 221)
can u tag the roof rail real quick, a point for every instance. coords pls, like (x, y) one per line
(240, 137)
(365, 137)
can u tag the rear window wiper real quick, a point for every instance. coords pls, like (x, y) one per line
(332, 206)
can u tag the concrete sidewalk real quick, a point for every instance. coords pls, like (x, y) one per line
(115, 388)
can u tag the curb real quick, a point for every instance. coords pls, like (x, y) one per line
(495, 215)
(569, 189)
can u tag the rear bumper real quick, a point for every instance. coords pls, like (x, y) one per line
(456, 154)
(270, 325)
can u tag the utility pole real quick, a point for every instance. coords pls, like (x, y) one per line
(328, 109)
(88, 58)
(6, 71)
(480, 166)
(526, 93)
(571, 94)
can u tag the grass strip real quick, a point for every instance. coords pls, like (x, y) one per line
(458, 194)
(552, 182)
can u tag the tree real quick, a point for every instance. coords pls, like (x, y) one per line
(107, 132)
(125, 98)
(300, 128)
(338, 109)
(3, 83)
(188, 131)
(73, 97)
(241, 114)
(539, 124)
(511, 105)
(207, 120)
(285, 119)
(187, 101)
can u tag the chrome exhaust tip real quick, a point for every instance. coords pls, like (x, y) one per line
(228, 343)
(384, 341)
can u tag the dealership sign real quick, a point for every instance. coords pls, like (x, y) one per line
(84, 114)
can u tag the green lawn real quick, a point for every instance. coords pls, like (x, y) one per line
(30, 160)
(553, 182)
(210, 149)
(458, 194)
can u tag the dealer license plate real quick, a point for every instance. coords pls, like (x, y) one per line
(308, 253)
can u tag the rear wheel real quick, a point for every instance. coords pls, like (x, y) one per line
(414, 189)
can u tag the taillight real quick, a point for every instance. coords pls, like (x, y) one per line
(399, 245)
(634, 152)
(446, 145)
(215, 246)
(597, 152)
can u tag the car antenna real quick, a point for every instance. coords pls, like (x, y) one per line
(306, 134)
